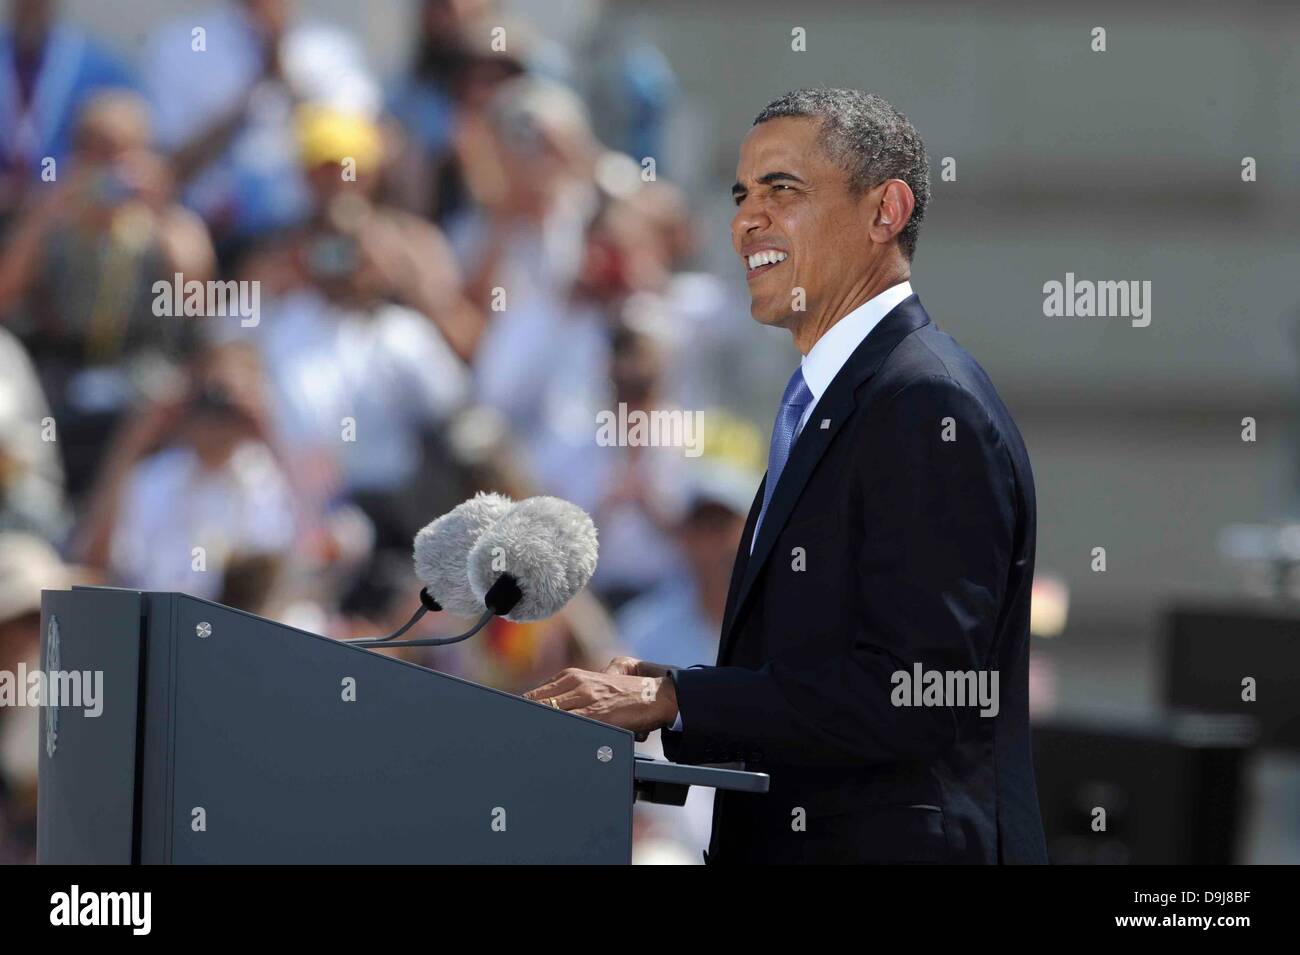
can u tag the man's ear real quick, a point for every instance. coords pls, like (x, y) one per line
(891, 210)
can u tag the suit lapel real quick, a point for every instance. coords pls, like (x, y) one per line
(825, 422)
(741, 562)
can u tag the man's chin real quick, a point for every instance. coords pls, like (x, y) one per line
(765, 313)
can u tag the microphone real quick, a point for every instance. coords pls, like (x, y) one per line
(442, 548)
(525, 561)
(532, 561)
(440, 552)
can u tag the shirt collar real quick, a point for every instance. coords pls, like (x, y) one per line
(832, 350)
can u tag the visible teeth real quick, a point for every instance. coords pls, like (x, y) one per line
(766, 257)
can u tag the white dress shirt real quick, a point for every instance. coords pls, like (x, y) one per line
(830, 353)
(832, 350)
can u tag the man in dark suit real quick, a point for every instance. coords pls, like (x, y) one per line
(875, 650)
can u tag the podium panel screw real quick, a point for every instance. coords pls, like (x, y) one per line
(605, 754)
(203, 630)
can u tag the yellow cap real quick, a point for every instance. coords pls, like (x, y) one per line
(327, 135)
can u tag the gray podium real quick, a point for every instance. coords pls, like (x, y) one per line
(226, 738)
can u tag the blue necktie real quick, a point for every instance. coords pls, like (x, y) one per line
(793, 404)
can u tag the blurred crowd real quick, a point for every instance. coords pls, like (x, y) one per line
(265, 311)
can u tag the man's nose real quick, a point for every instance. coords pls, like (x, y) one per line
(749, 217)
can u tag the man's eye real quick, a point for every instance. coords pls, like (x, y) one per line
(780, 185)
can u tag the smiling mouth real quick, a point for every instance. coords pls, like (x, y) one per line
(763, 261)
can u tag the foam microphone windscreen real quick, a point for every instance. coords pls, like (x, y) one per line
(442, 548)
(548, 546)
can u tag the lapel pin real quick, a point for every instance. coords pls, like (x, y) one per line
(826, 423)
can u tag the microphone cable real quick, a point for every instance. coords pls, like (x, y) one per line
(501, 598)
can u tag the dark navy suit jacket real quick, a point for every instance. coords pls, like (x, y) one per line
(901, 532)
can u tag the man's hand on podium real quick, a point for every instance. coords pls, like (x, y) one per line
(634, 667)
(632, 694)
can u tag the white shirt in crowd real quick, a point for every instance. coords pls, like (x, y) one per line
(173, 505)
(389, 374)
(258, 178)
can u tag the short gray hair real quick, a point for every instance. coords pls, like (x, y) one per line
(869, 139)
